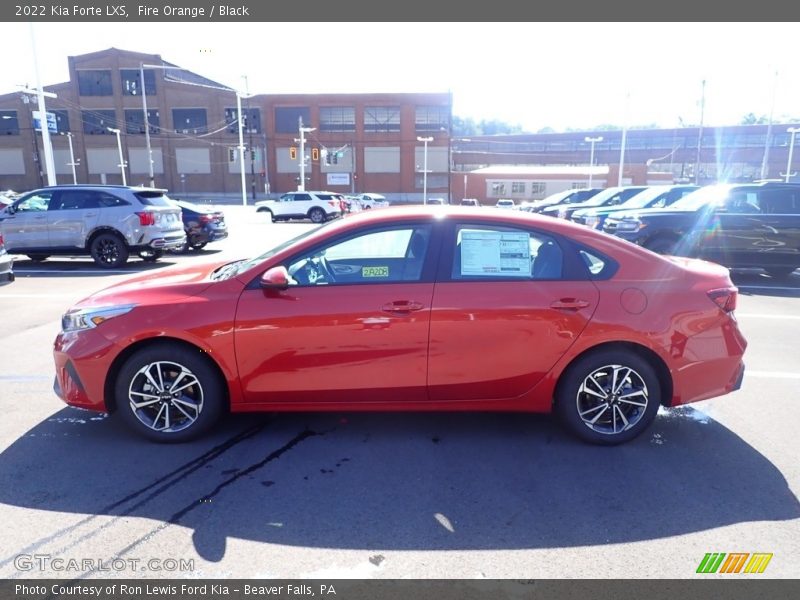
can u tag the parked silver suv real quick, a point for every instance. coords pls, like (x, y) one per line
(108, 222)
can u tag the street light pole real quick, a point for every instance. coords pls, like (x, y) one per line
(301, 187)
(425, 141)
(72, 162)
(700, 134)
(792, 131)
(241, 146)
(147, 128)
(592, 141)
(121, 164)
(40, 93)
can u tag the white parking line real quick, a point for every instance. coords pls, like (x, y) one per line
(72, 271)
(4, 295)
(772, 374)
(764, 316)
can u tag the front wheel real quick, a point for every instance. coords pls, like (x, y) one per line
(608, 397)
(108, 251)
(169, 393)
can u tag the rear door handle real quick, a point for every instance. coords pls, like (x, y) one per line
(402, 307)
(569, 304)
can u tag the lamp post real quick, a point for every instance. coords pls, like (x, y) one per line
(49, 164)
(700, 134)
(72, 162)
(147, 118)
(425, 141)
(301, 186)
(592, 141)
(121, 164)
(792, 131)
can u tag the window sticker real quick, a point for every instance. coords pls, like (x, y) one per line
(374, 272)
(495, 254)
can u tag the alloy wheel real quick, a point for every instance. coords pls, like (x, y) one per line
(612, 399)
(166, 396)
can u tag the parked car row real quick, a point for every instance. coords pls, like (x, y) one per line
(736, 225)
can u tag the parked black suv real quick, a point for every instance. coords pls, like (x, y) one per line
(736, 225)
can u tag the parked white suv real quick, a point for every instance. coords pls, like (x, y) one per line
(317, 206)
(108, 222)
(506, 203)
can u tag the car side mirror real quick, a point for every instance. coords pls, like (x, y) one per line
(10, 209)
(276, 278)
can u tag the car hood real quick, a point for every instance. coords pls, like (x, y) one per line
(649, 212)
(162, 287)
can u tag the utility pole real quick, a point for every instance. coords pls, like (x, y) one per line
(301, 187)
(624, 137)
(40, 93)
(121, 164)
(700, 134)
(425, 141)
(592, 141)
(768, 143)
(250, 141)
(72, 162)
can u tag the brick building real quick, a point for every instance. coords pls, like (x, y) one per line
(361, 142)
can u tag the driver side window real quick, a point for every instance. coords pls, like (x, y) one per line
(382, 256)
(35, 203)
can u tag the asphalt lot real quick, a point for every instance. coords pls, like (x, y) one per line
(391, 495)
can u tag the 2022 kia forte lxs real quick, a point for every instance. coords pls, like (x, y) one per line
(411, 309)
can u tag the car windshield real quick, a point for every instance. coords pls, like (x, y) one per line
(600, 198)
(712, 194)
(554, 198)
(645, 197)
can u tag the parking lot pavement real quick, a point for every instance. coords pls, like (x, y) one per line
(392, 495)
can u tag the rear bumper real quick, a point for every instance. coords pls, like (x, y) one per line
(167, 243)
(6, 269)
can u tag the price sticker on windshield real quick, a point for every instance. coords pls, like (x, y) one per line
(374, 272)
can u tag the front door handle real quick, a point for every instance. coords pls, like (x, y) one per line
(402, 307)
(569, 304)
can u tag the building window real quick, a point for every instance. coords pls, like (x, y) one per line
(9, 124)
(579, 185)
(97, 122)
(337, 118)
(517, 187)
(131, 86)
(251, 121)
(379, 119)
(62, 120)
(435, 182)
(287, 118)
(433, 118)
(134, 121)
(189, 120)
(95, 82)
(497, 189)
(538, 187)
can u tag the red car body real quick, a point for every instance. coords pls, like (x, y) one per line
(432, 344)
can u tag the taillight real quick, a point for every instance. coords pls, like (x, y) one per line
(333, 203)
(725, 298)
(206, 218)
(1, 240)
(146, 218)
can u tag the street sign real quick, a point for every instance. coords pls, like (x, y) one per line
(52, 126)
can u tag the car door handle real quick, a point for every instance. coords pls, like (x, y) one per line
(402, 307)
(569, 304)
(90, 214)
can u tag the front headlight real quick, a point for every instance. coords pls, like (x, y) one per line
(89, 318)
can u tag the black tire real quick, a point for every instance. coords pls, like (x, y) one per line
(198, 245)
(317, 215)
(780, 272)
(191, 411)
(663, 245)
(108, 251)
(183, 249)
(38, 257)
(150, 255)
(633, 405)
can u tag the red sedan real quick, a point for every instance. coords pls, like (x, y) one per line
(411, 309)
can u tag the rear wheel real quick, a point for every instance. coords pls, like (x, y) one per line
(608, 397)
(317, 215)
(38, 257)
(269, 213)
(108, 251)
(169, 393)
(780, 272)
(198, 245)
(150, 254)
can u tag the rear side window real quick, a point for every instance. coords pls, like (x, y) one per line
(780, 202)
(599, 266)
(153, 199)
(484, 252)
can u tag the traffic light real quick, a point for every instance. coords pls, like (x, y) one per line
(315, 154)
(293, 153)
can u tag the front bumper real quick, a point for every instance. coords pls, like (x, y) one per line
(82, 361)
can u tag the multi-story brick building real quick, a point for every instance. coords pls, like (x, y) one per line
(360, 142)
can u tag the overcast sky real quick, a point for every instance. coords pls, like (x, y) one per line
(536, 74)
